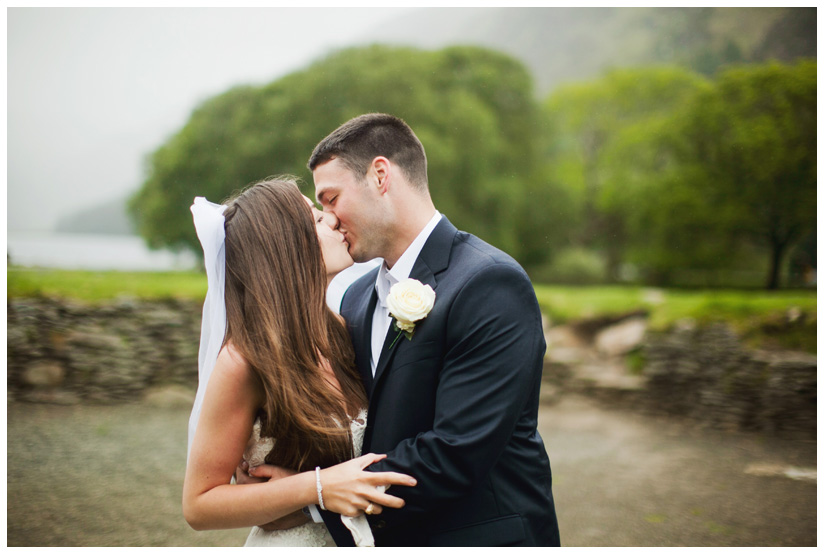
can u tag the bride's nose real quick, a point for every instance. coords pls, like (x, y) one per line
(331, 220)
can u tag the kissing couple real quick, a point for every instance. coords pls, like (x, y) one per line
(432, 367)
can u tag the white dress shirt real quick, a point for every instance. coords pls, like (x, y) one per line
(381, 318)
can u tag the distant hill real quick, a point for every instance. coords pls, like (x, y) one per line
(108, 218)
(570, 44)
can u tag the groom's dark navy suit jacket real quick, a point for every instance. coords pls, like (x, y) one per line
(456, 406)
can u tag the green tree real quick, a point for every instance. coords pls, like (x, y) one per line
(747, 147)
(473, 109)
(605, 150)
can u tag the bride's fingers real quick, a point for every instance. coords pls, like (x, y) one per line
(379, 499)
(365, 460)
(390, 478)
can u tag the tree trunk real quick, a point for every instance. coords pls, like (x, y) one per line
(614, 246)
(777, 252)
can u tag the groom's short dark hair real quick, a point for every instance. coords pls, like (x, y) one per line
(357, 142)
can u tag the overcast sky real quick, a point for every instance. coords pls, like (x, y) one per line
(91, 91)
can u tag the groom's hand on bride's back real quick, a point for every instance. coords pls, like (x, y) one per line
(246, 475)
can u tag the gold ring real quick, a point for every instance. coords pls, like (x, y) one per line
(369, 509)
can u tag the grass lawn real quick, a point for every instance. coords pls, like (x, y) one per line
(759, 315)
(96, 287)
(764, 318)
(666, 306)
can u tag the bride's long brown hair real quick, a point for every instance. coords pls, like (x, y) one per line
(278, 320)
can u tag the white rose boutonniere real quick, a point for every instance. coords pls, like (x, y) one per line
(408, 302)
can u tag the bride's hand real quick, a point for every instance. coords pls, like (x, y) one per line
(348, 489)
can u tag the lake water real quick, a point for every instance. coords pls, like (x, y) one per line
(78, 251)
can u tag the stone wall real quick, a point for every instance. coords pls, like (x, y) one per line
(706, 374)
(66, 352)
(703, 373)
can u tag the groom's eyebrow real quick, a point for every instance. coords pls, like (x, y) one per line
(321, 194)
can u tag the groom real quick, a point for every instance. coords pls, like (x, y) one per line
(456, 404)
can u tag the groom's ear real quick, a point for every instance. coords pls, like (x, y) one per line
(379, 173)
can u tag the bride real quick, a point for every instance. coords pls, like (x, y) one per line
(279, 365)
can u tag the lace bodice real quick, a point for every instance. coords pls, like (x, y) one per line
(257, 448)
(311, 534)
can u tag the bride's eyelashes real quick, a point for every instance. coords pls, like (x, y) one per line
(319, 216)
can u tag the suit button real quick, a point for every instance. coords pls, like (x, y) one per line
(381, 524)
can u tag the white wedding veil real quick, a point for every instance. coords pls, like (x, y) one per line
(209, 224)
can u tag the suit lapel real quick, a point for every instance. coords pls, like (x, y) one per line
(387, 351)
(359, 322)
(434, 258)
(365, 344)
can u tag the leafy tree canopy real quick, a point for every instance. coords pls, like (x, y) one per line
(671, 171)
(473, 109)
(605, 150)
(749, 144)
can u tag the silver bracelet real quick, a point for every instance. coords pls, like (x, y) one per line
(319, 488)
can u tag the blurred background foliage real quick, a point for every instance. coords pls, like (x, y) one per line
(474, 110)
(696, 172)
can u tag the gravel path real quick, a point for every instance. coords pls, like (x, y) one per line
(100, 476)
(112, 476)
(625, 479)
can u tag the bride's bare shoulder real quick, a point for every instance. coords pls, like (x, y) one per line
(232, 362)
(235, 375)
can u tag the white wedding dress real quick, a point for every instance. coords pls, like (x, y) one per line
(311, 534)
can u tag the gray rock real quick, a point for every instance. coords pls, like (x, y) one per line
(97, 339)
(622, 337)
(563, 337)
(47, 374)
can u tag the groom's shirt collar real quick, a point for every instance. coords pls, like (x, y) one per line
(403, 267)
